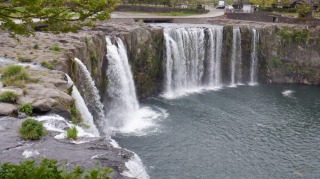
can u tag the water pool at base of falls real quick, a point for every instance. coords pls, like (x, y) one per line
(243, 132)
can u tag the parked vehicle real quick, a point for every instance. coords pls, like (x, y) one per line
(220, 5)
(229, 8)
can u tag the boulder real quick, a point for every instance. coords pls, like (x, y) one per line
(17, 91)
(7, 109)
(44, 105)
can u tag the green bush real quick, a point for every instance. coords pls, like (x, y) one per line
(31, 129)
(8, 97)
(296, 35)
(14, 75)
(304, 10)
(26, 108)
(75, 115)
(72, 133)
(11, 71)
(276, 62)
(47, 65)
(50, 169)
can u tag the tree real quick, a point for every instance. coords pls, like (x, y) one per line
(263, 3)
(24, 16)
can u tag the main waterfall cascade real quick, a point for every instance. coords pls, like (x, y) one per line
(254, 58)
(192, 62)
(236, 59)
(122, 107)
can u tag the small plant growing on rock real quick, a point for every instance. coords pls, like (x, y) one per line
(8, 97)
(26, 108)
(22, 59)
(14, 75)
(72, 133)
(31, 129)
(55, 48)
(75, 115)
(47, 65)
(11, 71)
(36, 46)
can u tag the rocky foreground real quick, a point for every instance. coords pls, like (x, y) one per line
(87, 154)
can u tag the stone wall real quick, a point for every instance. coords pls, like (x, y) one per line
(269, 17)
(157, 9)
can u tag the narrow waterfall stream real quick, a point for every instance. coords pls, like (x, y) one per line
(92, 96)
(236, 59)
(83, 110)
(254, 58)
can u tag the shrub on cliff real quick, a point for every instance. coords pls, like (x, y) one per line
(72, 133)
(14, 75)
(26, 108)
(31, 129)
(47, 64)
(8, 97)
(49, 169)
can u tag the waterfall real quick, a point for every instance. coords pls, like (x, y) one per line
(193, 59)
(236, 59)
(83, 110)
(91, 95)
(254, 58)
(121, 86)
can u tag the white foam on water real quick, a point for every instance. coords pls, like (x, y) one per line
(30, 153)
(142, 122)
(287, 93)
(252, 84)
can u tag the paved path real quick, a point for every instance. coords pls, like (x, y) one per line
(212, 13)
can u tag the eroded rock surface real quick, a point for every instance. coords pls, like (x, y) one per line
(14, 149)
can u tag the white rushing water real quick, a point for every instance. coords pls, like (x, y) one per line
(59, 124)
(236, 59)
(135, 166)
(83, 110)
(30, 153)
(123, 111)
(91, 96)
(254, 58)
(193, 59)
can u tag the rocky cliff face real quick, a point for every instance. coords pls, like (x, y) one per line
(145, 52)
(290, 55)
